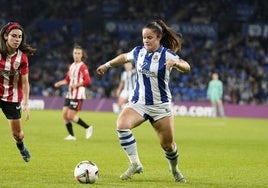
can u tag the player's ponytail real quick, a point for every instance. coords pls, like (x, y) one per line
(170, 38)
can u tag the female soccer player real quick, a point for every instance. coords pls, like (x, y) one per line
(214, 94)
(151, 99)
(14, 83)
(77, 78)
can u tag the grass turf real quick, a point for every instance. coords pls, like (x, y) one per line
(214, 152)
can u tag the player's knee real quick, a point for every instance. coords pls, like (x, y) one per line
(167, 147)
(123, 126)
(18, 136)
(70, 117)
(65, 117)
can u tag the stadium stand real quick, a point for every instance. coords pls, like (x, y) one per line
(230, 37)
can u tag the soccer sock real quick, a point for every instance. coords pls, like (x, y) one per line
(172, 157)
(20, 146)
(69, 127)
(128, 143)
(79, 121)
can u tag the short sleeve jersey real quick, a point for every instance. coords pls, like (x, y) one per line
(77, 73)
(11, 69)
(152, 76)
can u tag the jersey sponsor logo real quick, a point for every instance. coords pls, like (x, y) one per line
(9, 73)
(143, 65)
(142, 70)
(147, 73)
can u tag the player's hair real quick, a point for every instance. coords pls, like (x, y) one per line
(169, 37)
(24, 47)
(84, 54)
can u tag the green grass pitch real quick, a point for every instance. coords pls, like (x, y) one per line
(214, 152)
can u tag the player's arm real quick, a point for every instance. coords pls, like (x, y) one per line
(86, 78)
(60, 83)
(182, 65)
(209, 90)
(118, 60)
(119, 88)
(65, 81)
(221, 88)
(174, 61)
(25, 94)
(179, 64)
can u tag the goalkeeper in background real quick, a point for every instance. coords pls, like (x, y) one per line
(214, 94)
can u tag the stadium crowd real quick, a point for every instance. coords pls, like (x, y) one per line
(53, 27)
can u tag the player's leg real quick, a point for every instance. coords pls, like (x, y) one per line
(165, 129)
(123, 98)
(214, 109)
(67, 121)
(18, 135)
(221, 109)
(121, 102)
(12, 112)
(68, 124)
(127, 120)
(74, 107)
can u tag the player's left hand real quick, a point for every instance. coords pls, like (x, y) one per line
(26, 109)
(170, 63)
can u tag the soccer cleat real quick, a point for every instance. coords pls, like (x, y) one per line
(25, 154)
(178, 176)
(132, 169)
(70, 137)
(89, 132)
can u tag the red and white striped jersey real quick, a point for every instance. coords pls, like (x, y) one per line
(77, 73)
(11, 69)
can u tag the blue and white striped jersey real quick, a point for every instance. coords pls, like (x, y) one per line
(152, 76)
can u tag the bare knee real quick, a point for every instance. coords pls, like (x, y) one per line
(168, 146)
(65, 117)
(16, 130)
(122, 125)
(70, 117)
(18, 136)
(128, 119)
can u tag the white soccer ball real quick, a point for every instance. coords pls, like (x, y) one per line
(86, 172)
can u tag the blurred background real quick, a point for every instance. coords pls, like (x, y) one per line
(227, 36)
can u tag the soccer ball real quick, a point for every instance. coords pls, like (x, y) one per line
(86, 172)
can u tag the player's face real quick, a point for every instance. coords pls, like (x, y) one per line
(77, 55)
(215, 76)
(13, 39)
(150, 40)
